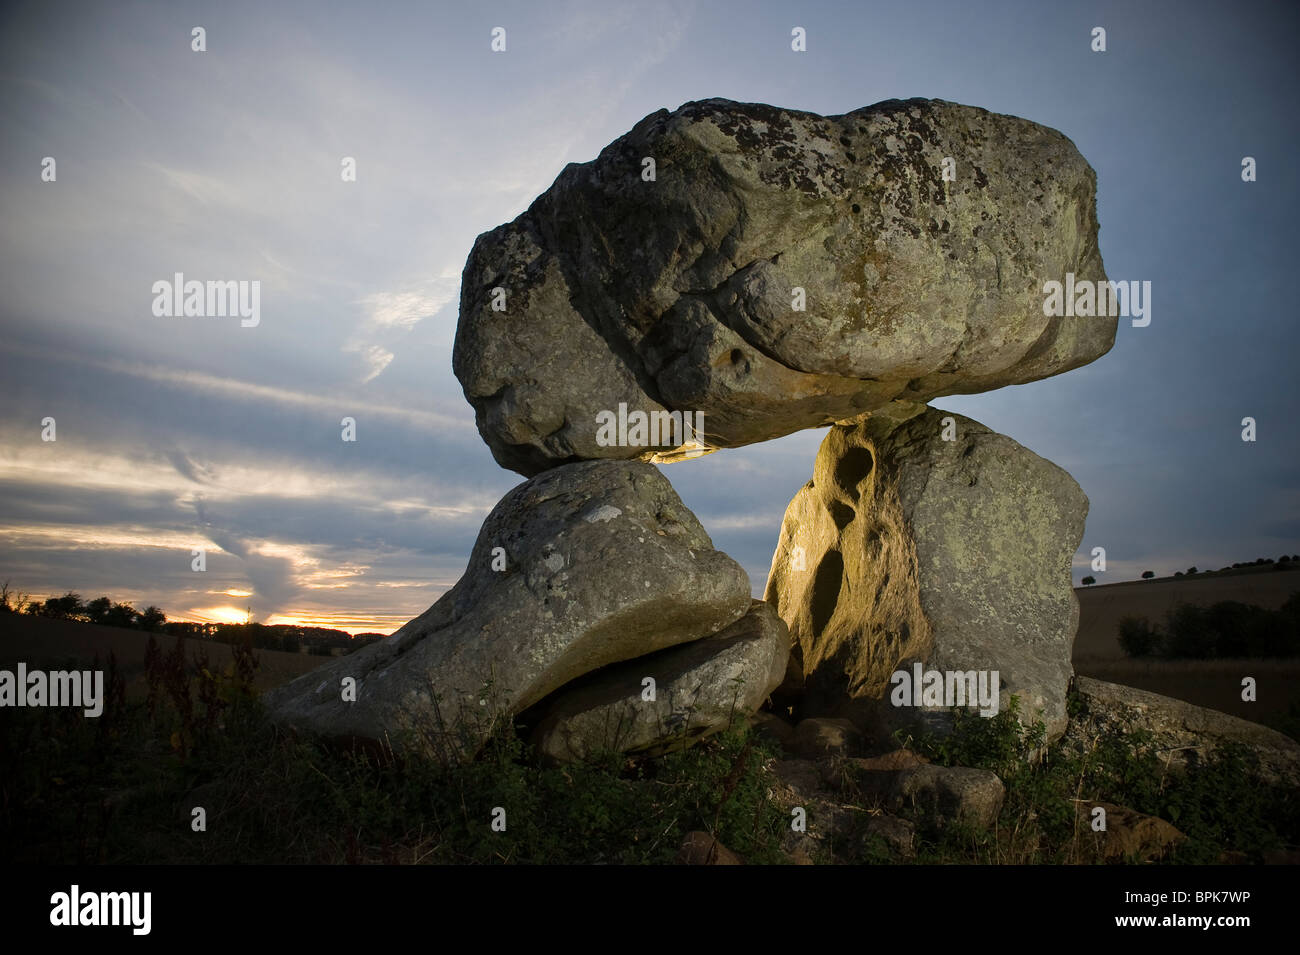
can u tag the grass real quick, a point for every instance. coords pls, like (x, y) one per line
(1219, 803)
(121, 789)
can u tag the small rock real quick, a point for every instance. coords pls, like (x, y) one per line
(772, 727)
(818, 737)
(800, 776)
(949, 793)
(890, 762)
(700, 848)
(897, 834)
(1129, 834)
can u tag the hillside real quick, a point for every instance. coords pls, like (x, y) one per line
(1212, 683)
(46, 643)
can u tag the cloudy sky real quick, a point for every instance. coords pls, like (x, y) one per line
(179, 433)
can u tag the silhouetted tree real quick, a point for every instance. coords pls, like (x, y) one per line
(1138, 638)
(152, 619)
(1088, 581)
(121, 615)
(62, 608)
(98, 609)
(1148, 574)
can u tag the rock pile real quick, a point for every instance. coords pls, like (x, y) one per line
(721, 275)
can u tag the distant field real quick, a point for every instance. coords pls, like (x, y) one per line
(1101, 607)
(1212, 683)
(47, 644)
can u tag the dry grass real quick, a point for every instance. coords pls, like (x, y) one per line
(40, 642)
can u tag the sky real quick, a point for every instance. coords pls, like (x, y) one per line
(179, 433)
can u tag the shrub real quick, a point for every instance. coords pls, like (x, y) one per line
(1088, 581)
(1148, 574)
(1137, 638)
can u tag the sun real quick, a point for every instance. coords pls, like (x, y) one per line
(223, 614)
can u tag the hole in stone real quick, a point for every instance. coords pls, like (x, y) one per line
(855, 465)
(826, 590)
(841, 514)
(737, 356)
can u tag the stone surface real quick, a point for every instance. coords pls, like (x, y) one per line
(603, 563)
(800, 777)
(700, 689)
(959, 793)
(906, 547)
(897, 835)
(679, 293)
(772, 727)
(820, 737)
(1129, 834)
(1180, 731)
(700, 848)
(889, 762)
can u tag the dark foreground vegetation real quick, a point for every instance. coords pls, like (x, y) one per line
(123, 788)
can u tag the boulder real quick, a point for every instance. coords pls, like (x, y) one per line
(700, 688)
(821, 737)
(896, 835)
(581, 567)
(947, 793)
(700, 848)
(907, 548)
(779, 270)
(772, 728)
(1129, 835)
(1179, 731)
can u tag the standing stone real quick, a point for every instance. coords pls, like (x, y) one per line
(905, 547)
(603, 563)
(783, 270)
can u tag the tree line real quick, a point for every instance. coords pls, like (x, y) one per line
(1228, 629)
(108, 612)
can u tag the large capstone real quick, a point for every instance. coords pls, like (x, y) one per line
(776, 270)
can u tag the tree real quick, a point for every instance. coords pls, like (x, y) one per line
(62, 608)
(121, 615)
(1138, 638)
(1148, 574)
(98, 609)
(152, 619)
(1088, 581)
